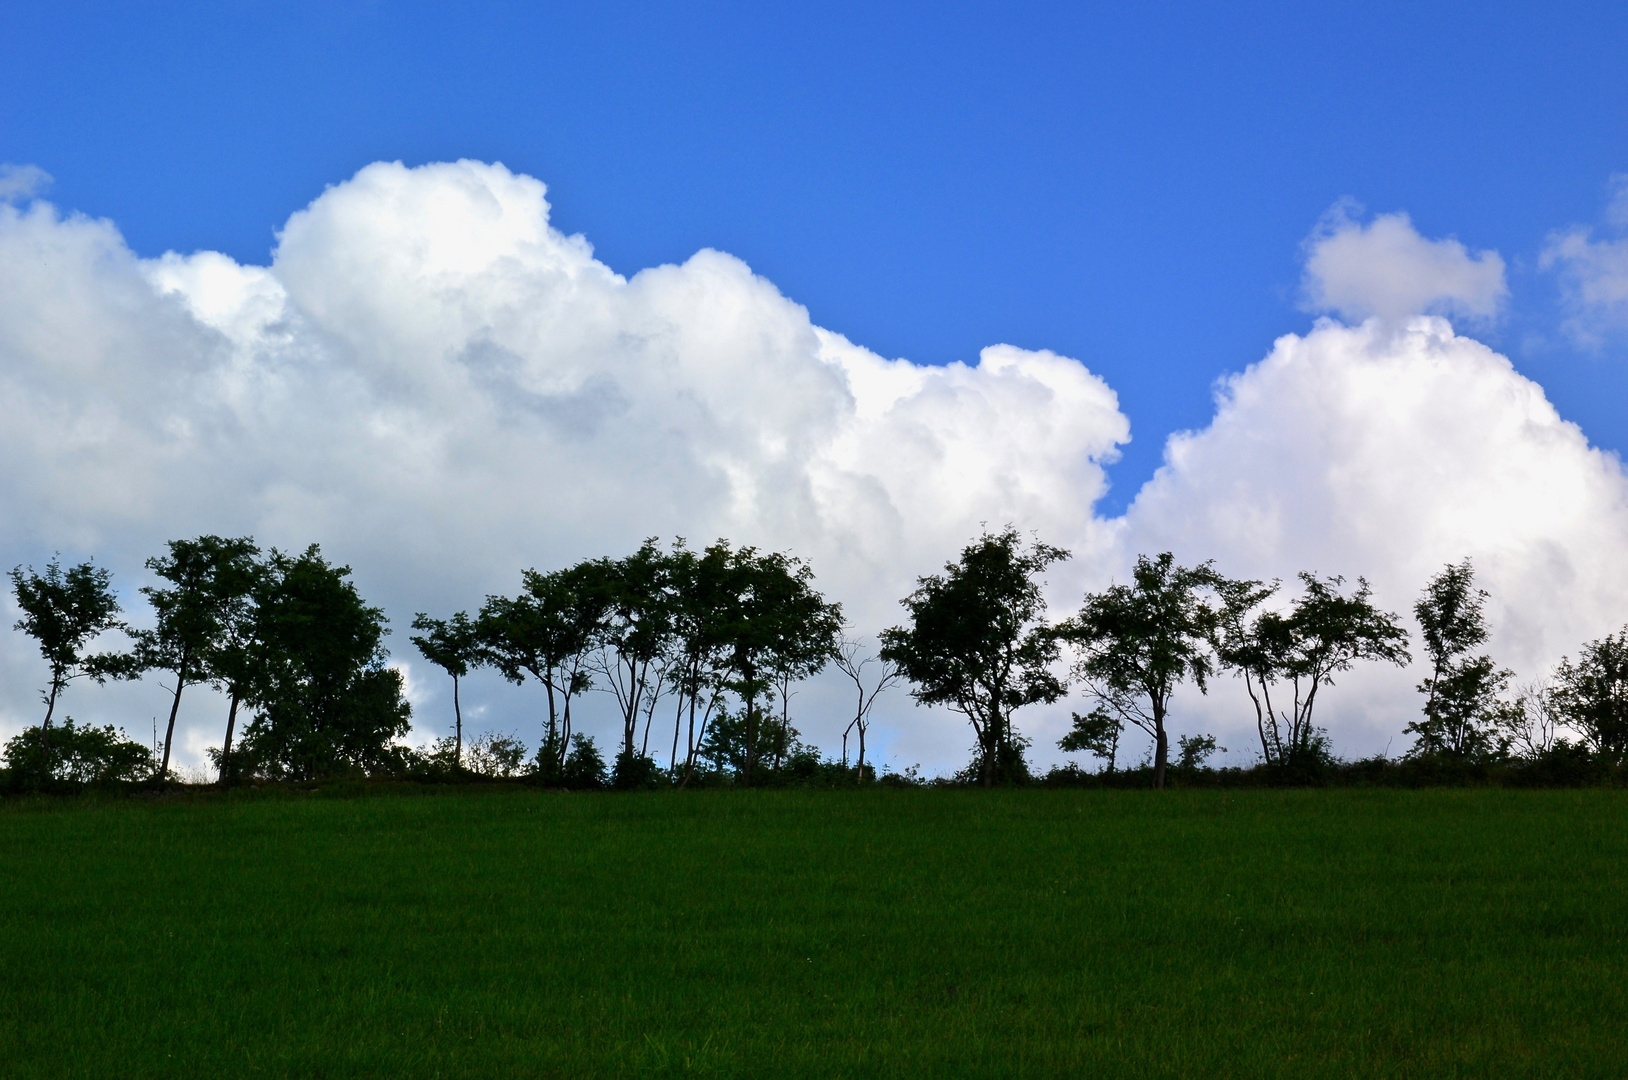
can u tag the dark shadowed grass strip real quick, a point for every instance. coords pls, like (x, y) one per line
(877, 933)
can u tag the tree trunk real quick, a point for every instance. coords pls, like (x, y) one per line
(45, 728)
(862, 752)
(169, 731)
(226, 747)
(1161, 750)
(458, 729)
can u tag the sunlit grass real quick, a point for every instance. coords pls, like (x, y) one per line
(872, 933)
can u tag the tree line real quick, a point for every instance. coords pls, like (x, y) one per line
(701, 650)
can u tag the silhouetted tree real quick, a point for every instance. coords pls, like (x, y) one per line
(634, 638)
(546, 632)
(78, 755)
(1136, 643)
(1462, 692)
(454, 645)
(1591, 695)
(63, 611)
(852, 660)
(977, 642)
(211, 580)
(325, 701)
(1096, 733)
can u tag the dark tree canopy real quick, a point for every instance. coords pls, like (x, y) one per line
(326, 703)
(1591, 694)
(1324, 633)
(1136, 643)
(977, 642)
(63, 611)
(453, 645)
(197, 615)
(546, 632)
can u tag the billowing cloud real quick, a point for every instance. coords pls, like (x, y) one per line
(1593, 272)
(1368, 451)
(1386, 269)
(441, 388)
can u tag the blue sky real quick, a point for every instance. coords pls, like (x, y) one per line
(1126, 184)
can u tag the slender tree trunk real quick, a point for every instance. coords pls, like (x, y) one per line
(1161, 751)
(226, 747)
(169, 730)
(45, 728)
(862, 726)
(458, 729)
(678, 720)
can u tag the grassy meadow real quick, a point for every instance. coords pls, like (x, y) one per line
(917, 932)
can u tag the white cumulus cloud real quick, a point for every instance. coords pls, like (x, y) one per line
(1386, 269)
(441, 388)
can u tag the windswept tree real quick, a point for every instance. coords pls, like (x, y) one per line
(454, 646)
(1591, 695)
(853, 660)
(64, 611)
(210, 579)
(1286, 658)
(1096, 733)
(1462, 693)
(326, 702)
(546, 632)
(977, 641)
(1136, 643)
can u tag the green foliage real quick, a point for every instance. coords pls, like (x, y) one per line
(1295, 655)
(1591, 694)
(1095, 733)
(496, 757)
(1195, 750)
(1462, 694)
(977, 643)
(1136, 643)
(584, 767)
(326, 704)
(75, 755)
(63, 611)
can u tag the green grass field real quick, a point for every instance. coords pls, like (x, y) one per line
(874, 933)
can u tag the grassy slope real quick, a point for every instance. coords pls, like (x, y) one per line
(1249, 933)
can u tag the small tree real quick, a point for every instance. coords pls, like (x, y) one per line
(1462, 692)
(977, 642)
(64, 611)
(1530, 723)
(1591, 695)
(453, 645)
(1136, 643)
(211, 579)
(851, 659)
(1096, 733)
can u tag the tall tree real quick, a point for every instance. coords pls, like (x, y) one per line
(698, 582)
(770, 622)
(1462, 692)
(546, 632)
(234, 658)
(977, 642)
(210, 579)
(64, 611)
(634, 637)
(1591, 694)
(454, 646)
(852, 660)
(1135, 644)
(326, 703)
